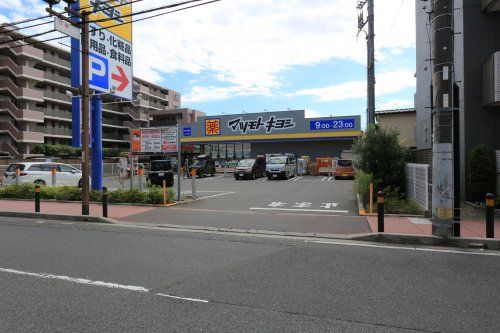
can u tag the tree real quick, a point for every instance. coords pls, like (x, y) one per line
(481, 173)
(380, 154)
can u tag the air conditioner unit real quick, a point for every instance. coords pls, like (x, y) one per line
(491, 5)
(491, 80)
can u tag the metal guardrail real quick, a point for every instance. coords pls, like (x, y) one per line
(417, 183)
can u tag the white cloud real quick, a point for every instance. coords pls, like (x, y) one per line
(387, 83)
(248, 44)
(395, 104)
(312, 114)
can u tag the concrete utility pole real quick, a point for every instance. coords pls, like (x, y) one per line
(370, 43)
(442, 116)
(84, 26)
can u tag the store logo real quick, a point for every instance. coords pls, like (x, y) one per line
(272, 123)
(212, 127)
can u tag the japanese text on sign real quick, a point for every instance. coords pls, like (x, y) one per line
(151, 140)
(243, 126)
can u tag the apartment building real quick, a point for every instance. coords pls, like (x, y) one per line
(36, 108)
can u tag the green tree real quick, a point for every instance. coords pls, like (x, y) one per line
(481, 173)
(380, 154)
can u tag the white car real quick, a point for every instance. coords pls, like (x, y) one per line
(41, 173)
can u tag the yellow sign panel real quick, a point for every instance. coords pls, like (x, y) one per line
(212, 127)
(445, 213)
(113, 12)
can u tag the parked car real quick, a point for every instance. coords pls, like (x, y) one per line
(281, 166)
(250, 168)
(344, 169)
(204, 165)
(40, 173)
(159, 171)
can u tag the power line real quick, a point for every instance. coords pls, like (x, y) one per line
(137, 20)
(393, 23)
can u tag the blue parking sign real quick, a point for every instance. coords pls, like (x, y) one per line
(186, 131)
(98, 72)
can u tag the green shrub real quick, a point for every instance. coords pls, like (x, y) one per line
(111, 152)
(362, 186)
(127, 195)
(380, 154)
(21, 191)
(396, 203)
(56, 150)
(481, 171)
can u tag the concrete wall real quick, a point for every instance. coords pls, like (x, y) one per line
(403, 122)
(313, 149)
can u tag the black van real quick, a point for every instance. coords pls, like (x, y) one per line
(251, 168)
(160, 170)
(204, 165)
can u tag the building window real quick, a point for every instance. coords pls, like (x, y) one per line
(176, 97)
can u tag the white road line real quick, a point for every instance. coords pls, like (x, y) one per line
(324, 178)
(406, 248)
(215, 195)
(183, 298)
(76, 280)
(301, 210)
(297, 178)
(95, 283)
(330, 178)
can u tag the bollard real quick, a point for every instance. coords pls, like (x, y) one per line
(54, 173)
(18, 172)
(37, 198)
(193, 184)
(104, 201)
(164, 192)
(380, 210)
(490, 216)
(140, 172)
(371, 198)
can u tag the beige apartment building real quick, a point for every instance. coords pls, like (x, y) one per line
(36, 108)
(403, 120)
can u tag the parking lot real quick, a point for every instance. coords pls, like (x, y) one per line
(300, 204)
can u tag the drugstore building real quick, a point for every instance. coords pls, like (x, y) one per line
(231, 137)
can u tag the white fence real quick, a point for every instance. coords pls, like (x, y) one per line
(417, 183)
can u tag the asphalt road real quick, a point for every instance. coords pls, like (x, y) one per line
(73, 277)
(303, 204)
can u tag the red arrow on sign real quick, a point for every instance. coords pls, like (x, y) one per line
(122, 78)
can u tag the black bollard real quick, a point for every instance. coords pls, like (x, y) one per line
(37, 198)
(380, 211)
(104, 201)
(490, 216)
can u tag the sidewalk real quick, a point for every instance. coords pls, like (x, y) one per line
(69, 208)
(421, 226)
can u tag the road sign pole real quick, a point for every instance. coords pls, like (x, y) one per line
(179, 163)
(96, 143)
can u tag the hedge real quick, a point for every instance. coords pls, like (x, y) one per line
(63, 150)
(154, 195)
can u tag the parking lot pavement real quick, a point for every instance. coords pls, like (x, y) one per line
(301, 204)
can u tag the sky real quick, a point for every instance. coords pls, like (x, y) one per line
(240, 55)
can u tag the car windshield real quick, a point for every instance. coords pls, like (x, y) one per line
(160, 166)
(13, 167)
(277, 160)
(246, 163)
(199, 162)
(344, 163)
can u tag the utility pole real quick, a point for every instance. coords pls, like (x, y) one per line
(84, 26)
(370, 43)
(443, 187)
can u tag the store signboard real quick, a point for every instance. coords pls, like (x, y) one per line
(154, 140)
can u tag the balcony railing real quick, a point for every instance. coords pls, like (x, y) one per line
(21, 92)
(57, 96)
(57, 78)
(54, 130)
(56, 60)
(26, 50)
(19, 70)
(21, 136)
(57, 114)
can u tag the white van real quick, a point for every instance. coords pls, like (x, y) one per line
(281, 166)
(40, 173)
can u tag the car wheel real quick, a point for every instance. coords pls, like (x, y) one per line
(253, 176)
(269, 178)
(39, 182)
(80, 183)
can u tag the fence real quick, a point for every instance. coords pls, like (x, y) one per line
(417, 183)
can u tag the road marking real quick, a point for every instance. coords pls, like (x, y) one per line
(183, 298)
(215, 195)
(301, 210)
(297, 178)
(330, 178)
(76, 280)
(406, 248)
(88, 282)
(324, 178)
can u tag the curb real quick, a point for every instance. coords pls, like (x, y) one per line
(481, 208)
(60, 217)
(100, 203)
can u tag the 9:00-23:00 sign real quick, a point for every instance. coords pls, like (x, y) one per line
(347, 123)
